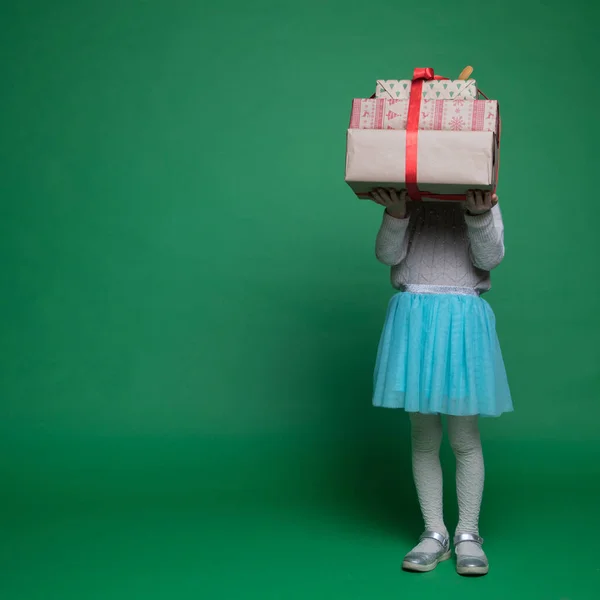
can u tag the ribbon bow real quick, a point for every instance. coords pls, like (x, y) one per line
(425, 74)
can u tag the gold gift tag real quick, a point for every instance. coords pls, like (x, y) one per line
(465, 73)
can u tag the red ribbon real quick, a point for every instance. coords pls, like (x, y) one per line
(412, 129)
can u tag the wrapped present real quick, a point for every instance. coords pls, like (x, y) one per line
(447, 115)
(429, 162)
(449, 162)
(444, 89)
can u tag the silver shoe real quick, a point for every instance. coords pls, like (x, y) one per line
(470, 565)
(427, 561)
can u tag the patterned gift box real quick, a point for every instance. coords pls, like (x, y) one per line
(444, 89)
(435, 115)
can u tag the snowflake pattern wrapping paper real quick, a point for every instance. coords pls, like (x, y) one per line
(436, 115)
(444, 89)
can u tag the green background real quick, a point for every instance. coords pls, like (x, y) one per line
(191, 305)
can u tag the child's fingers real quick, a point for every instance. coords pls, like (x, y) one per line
(375, 197)
(470, 200)
(381, 196)
(393, 195)
(385, 195)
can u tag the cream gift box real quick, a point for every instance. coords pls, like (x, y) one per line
(449, 162)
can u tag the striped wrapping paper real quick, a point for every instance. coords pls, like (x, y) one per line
(436, 115)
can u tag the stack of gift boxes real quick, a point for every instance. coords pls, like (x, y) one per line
(431, 136)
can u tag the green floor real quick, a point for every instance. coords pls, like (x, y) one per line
(165, 535)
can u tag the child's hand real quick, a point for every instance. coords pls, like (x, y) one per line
(479, 202)
(394, 205)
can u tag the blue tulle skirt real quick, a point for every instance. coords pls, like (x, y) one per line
(439, 354)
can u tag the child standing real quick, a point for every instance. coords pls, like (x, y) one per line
(439, 354)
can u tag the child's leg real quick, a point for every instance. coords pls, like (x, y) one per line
(434, 545)
(470, 474)
(426, 438)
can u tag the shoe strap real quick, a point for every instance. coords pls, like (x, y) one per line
(438, 537)
(467, 537)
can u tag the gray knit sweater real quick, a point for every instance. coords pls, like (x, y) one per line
(439, 244)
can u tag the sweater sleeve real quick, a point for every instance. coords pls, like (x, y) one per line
(486, 237)
(391, 243)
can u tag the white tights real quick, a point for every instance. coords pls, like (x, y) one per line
(426, 436)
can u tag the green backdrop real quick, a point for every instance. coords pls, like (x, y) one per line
(191, 303)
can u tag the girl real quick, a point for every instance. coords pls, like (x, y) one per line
(439, 354)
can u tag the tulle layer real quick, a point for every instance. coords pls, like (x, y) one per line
(440, 354)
